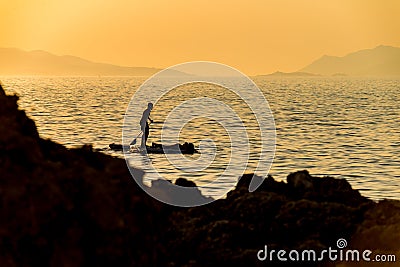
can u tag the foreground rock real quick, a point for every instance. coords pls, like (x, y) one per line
(61, 207)
(304, 213)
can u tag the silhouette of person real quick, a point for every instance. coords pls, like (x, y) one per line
(144, 125)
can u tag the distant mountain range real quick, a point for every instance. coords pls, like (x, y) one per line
(379, 61)
(18, 62)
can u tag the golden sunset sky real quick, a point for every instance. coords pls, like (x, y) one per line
(254, 36)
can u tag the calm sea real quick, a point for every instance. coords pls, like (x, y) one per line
(342, 127)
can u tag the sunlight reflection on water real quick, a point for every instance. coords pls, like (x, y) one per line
(343, 127)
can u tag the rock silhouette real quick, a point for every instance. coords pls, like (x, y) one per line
(69, 207)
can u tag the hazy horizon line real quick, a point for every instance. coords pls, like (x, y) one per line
(160, 68)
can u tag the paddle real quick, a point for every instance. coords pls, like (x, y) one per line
(141, 132)
(134, 140)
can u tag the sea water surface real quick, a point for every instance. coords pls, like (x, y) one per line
(338, 126)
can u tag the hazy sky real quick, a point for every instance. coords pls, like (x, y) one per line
(254, 36)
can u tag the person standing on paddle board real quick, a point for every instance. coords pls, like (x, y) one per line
(144, 125)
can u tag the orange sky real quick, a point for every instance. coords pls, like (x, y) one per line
(254, 36)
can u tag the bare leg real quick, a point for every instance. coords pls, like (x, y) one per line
(146, 133)
(143, 144)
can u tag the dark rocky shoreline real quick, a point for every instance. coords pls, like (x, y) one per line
(77, 207)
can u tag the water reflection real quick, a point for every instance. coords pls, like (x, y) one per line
(344, 127)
